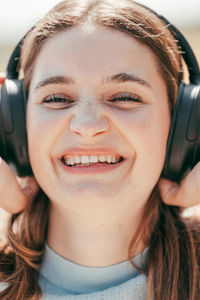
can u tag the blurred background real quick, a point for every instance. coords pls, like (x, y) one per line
(16, 17)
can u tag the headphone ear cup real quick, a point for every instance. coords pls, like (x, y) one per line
(183, 141)
(13, 138)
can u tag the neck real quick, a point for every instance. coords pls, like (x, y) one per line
(94, 240)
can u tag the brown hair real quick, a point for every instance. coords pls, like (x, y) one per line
(173, 260)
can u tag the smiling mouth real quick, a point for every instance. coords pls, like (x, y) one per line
(88, 164)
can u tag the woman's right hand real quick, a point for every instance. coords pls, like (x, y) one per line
(15, 192)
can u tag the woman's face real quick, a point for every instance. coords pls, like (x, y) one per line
(109, 100)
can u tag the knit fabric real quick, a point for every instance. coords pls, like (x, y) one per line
(61, 279)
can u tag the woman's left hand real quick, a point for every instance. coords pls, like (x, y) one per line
(186, 193)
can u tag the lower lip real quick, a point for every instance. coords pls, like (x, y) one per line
(93, 169)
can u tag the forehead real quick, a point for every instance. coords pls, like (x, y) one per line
(89, 51)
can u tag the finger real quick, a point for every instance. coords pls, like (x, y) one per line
(14, 198)
(28, 185)
(186, 193)
(193, 211)
(169, 191)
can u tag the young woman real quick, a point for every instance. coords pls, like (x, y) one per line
(102, 78)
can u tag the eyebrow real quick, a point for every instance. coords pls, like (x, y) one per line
(125, 77)
(116, 78)
(54, 80)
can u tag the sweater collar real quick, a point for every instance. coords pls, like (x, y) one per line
(76, 278)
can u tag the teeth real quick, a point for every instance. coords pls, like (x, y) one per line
(102, 158)
(113, 159)
(85, 159)
(77, 159)
(94, 159)
(109, 158)
(88, 160)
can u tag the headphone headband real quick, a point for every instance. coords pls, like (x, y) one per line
(187, 52)
(12, 71)
(183, 144)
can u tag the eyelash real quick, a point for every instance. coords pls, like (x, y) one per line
(121, 98)
(56, 99)
(127, 98)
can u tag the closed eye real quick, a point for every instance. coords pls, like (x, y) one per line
(126, 98)
(57, 101)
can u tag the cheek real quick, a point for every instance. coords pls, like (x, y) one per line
(38, 144)
(41, 133)
(146, 130)
(42, 124)
(145, 122)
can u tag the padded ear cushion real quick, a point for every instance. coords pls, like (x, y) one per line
(13, 139)
(184, 136)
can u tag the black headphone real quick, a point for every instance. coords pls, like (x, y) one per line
(183, 146)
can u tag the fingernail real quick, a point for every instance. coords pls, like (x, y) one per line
(188, 212)
(23, 182)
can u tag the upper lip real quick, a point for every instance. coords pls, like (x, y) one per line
(90, 151)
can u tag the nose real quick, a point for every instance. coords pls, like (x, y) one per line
(88, 121)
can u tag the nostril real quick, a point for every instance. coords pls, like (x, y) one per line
(89, 125)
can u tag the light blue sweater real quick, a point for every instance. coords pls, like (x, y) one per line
(63, 279)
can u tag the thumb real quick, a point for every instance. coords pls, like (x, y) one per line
(186, 193)
(169, 191)
(15, 193)
(29, 186)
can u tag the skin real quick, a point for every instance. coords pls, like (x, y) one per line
(96, 212)
(92, 228)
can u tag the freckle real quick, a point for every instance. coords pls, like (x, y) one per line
(101, 225)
